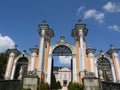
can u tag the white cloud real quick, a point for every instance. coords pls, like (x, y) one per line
(79, 10)
(65, 59)
(92, 13)
(112, 7)
(114, 27)
(6, 43)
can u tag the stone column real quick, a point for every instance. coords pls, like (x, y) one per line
(33, 58)
(96, 70)
(49, 69)
(74, 68)
(81, 51)
(9, 65)
(13, 70)
(91, 56)
(41, 51)
(113, 72)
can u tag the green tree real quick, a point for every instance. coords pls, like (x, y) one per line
(55, 84)
(59, 86)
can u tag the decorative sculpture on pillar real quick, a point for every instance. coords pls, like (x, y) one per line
(20, 73)
(101, 74)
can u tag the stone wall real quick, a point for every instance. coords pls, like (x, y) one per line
(10, 84)
(30, 82)
(110, 86)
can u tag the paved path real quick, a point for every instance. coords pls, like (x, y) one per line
(64, 88)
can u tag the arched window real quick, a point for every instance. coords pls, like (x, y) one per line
(104, 69)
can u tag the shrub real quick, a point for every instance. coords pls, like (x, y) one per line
(43, 86)
(24, 89)
(75, 86)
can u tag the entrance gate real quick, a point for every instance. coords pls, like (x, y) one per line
(61, 48)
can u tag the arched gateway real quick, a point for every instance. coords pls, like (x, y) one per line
(61, 48)
(83, 60)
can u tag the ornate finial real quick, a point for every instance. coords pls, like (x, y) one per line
(62, 38)
(79, 21)
(44, 22)
(24, 50)
(89, 46)
(111, 46)
(15, 46)
(36, 46)
(101, 51)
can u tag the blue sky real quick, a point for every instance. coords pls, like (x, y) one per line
(19, 21)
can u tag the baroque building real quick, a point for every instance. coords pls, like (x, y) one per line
(105, 66)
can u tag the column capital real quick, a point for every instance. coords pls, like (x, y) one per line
(14, 50)
(113, 50)
(45, 30)
(90, 50)
(79, 27)
(73, 55)
(35, 49)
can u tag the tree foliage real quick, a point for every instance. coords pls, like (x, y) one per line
(75, 86)
(3, 63)
(59, 86)
(55, 84)
(24, 89)
(43, 86)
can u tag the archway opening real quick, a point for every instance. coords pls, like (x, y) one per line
(21, 68)
(62, 65)
(104, 69)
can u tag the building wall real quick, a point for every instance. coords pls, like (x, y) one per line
(63, 74)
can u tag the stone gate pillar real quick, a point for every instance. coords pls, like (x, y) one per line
(113, 52)
(12, 55)
(33, 58)
(45, 33)
(90, 52)
(79, 33)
